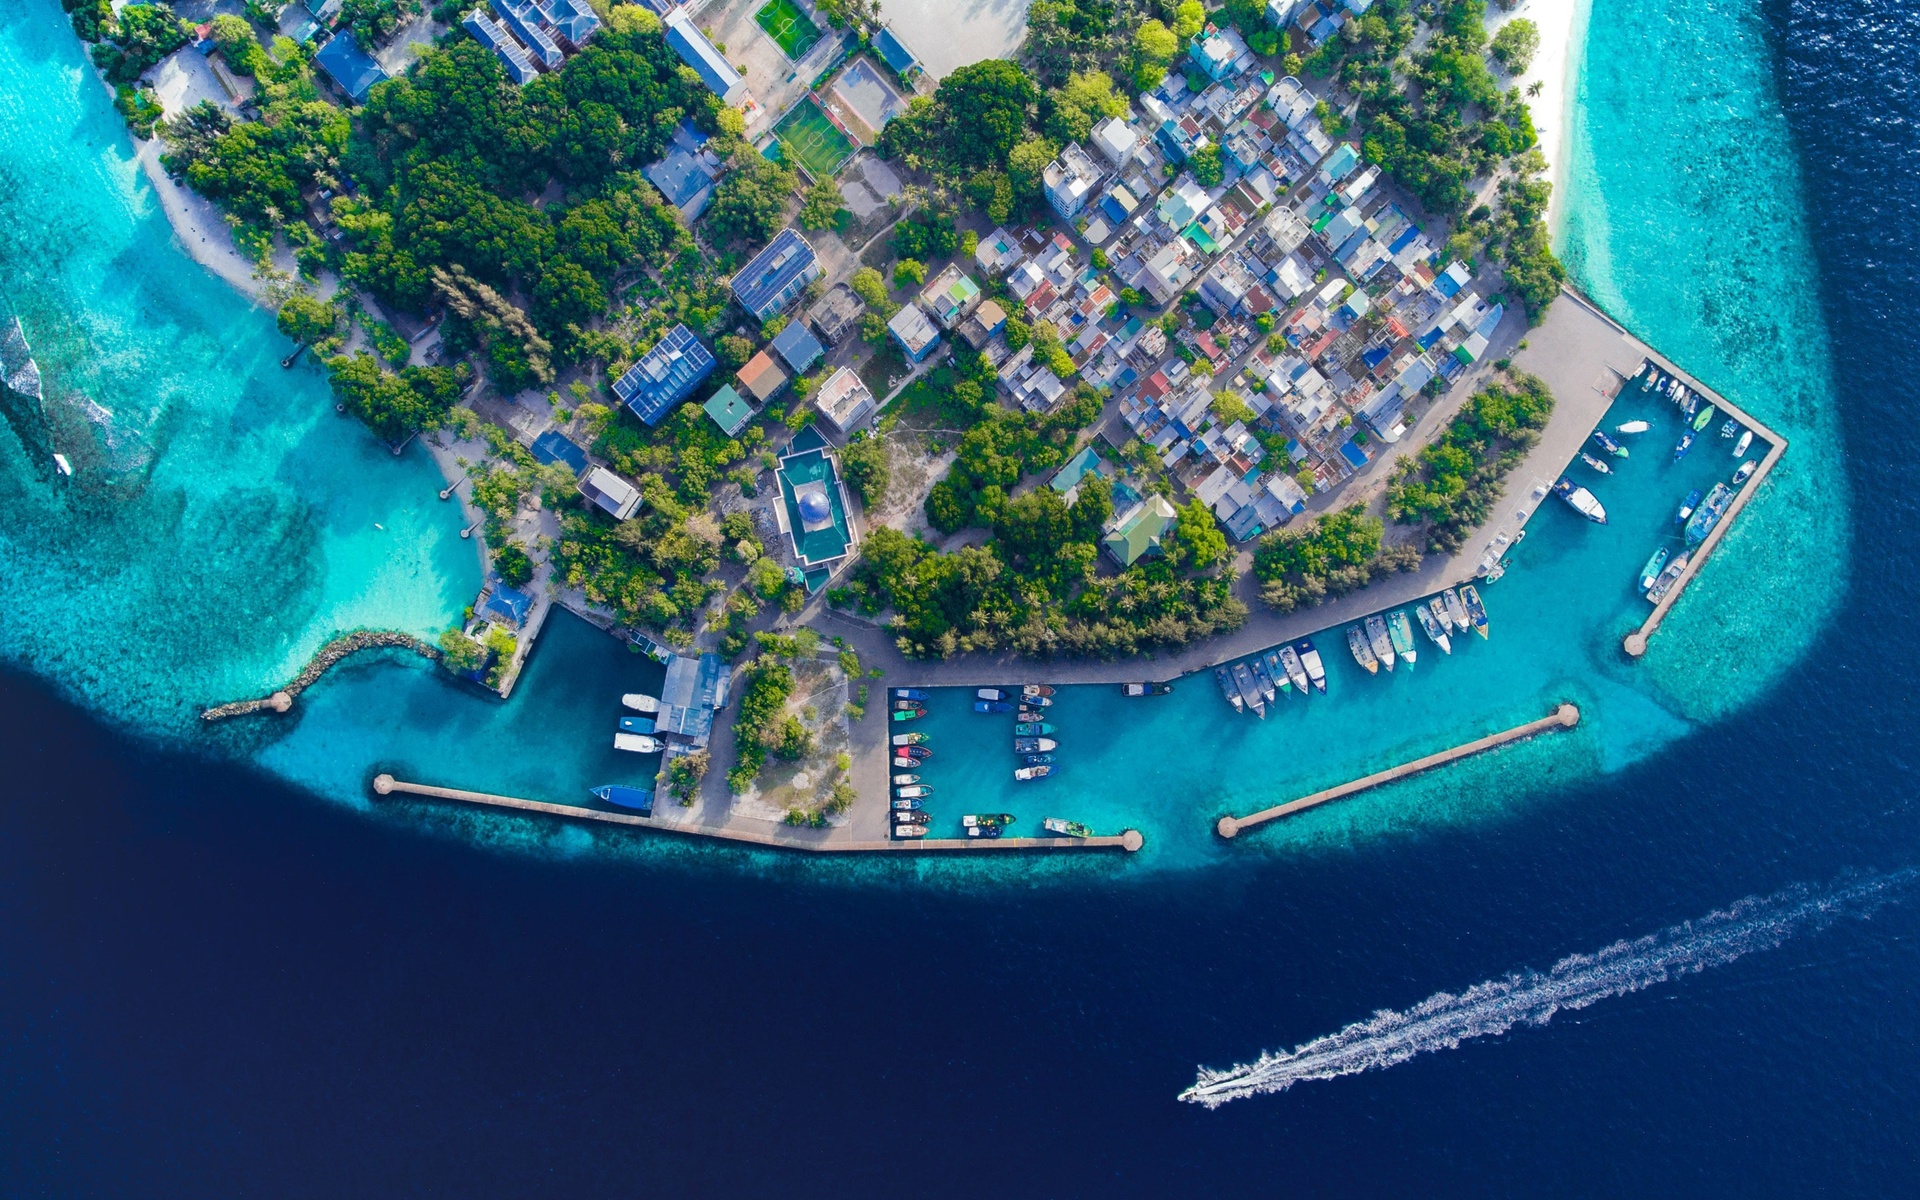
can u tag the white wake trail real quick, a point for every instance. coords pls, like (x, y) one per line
(1528, 997)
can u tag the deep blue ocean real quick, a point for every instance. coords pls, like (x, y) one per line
(215, 984)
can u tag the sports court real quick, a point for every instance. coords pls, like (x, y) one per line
(867, 95)
(809, 138)
(790, 28)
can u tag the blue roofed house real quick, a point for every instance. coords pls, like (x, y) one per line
(1339, 164)
(522, 19)
(708, 63)
(777, 275)
(504, 603)
(349, 67)
(665, 375)
(798, 347)
(574, 20)
(895, 55)
(685, 176)
(513, 56)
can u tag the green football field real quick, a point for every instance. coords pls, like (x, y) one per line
(788, 26)
(812, 140)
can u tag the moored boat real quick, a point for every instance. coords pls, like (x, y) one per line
(1036, 760)
(1476, 611)
(1036, 689)
(637, 743)
(1401, 633)
(1430, 624)
(1227, 689)
(1703, 418)
(1066, 828)
(1249, 690)
(1745, 472)
(1032, 729)
(1263, 680)
(1669, 577)
(1687, 506)
(1025, 774)
(1581, 501)
(1456, 611)
(990, 694)
(987, 820)
(909, 693)
(1290, 661)
(1277, 671)
(1650, 573)
(1708, 514)
(1632, 427)
(1034, 745)
(1740, 447)
(903, 805)
(909, 831)
(1729, 429)
(983, 831)
(1441, 617)
(1362, 653)
(992, 706)
(1606, 443)
(1310, 662)
(636, 725)
(1137, 690)
(1683, 445)
(911, 714)
(1035, 701)
(639, 799)
(903, 762)
(912, 739)
(903, 780)
(904, 705)
(913, 791)
(911, 818)
(640, 702)
(1595, 463)
(1378, 638)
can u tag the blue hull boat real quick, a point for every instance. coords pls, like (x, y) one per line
(992, 706)
(638, 799)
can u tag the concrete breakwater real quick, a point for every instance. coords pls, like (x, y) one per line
(329, 654)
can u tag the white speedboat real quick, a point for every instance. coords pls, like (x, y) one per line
(638, 743)
(641, 703)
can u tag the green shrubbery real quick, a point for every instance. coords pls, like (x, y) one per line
(1330, 556)
(1452, 484)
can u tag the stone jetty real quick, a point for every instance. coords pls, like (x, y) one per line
(329, 654)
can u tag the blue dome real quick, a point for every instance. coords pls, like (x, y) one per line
(814, 507)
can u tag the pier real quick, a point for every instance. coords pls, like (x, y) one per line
(1564, 717)
(1129, 841)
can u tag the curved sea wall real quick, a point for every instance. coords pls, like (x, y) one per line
(331, 653)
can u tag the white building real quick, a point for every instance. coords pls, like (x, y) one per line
(844, 401)
(1070, 180)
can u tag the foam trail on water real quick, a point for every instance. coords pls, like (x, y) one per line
(1528, 997)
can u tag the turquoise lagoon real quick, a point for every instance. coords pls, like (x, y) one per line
(256, 535)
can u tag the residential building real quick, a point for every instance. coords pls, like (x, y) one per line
(665, 375)
(1339, 164)
(915, 331)
(761, 379)
(1139, 531)
(1115, 139)
(1070, 180)
(777, 275)
(1183, 204)
(513, 56)
(686, 175)
(1220, 53)
(997, 252)
(611, 493)
(729, 410)
(798, 348)
(813, 506)
(836, 315)
(1170, 269)
(844, 401)
(573, 20)
(983, 323)
(351, 70)
(951, 296)
(523, 20)
(708, 63)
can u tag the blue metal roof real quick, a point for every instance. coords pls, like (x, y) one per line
(665, 375)
(897, 56)
(680, 176)
(697, 52)
(776, 274)
(554, 446)
(348, 65)
(799, 347)
(507, 602)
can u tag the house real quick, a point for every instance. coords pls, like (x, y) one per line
(997, 252)
(837, 314)
(980, 326)
(761, 379)
(1285, 229)
(349, 67)
(573, 20)
(844, 401)
(665, 375)
(1170, 270)
(1139, 531)
(1339, 164)
(687, 174)
(915, 332)
(1281, 13)
(513, 56)
(1068, 478)
(523, 19)
(709, 64)
(1070, 179)
(813, 506)
(1220, 53)
(1183, 204)
(950, 297)
(777, 275)
(798, 348)
(505, 604)
(895, 55)
(729, 410)
(612, 493)
(1115, 138)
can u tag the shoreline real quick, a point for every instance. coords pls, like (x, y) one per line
(1556, 67)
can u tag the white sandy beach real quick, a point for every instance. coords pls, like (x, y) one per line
(1563, 26)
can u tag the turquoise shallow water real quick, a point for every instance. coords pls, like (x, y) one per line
(256, 534)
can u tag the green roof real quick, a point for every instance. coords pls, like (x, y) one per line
(729, 411)
(823, 545)
(1141, 531)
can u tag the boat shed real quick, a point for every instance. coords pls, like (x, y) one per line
(777, 275)
(665, 375)
(708, 63)
(694, 689)
(349, 67)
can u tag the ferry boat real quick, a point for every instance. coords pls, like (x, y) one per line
(1456, 611)
(1362, 653)
(1134, 691)
(1704, 418)
(992, 706)
(909, 831)
(1227, 689)
(909, 693)
(636, 724)
(1249, 690)
(638, 799)
(1263, 680)
(1476, 611)
(1310, 661)
(913, 791)
(1708, 514)
(1745, 472)
(1034, 745)
(1650, 573)
(911, 714)
(1290, 662)
(638, 743)
(1066, 828)
(1381, 642)
(1669, 577)
(1683, 445)
(1632, 427)
(1430, 624)
(1687, 506)
(1027, 774)
(1581, 501)
(1040, 690)
(1595, 463)
(902, 780)
(986, 820)
(990, 694)
(912, 739)
(1740, 447)
(1032, 729)
(640, 703)
(1036, 760)
(1401, 631)
(1606, 443)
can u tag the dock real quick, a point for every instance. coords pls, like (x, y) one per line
(1129, 841)
(1566, 716)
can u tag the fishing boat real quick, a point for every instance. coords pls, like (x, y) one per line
(1066, 828)
(1430, 623)
(1401, 632)
(1263, 680)
(917, 752)
(1290, 663)
(639, 799)
(911, 714)
(1687, 506)
(913, 791)
(991, 694)
(637, 743)
(1632, 427)
(1025, 774)
(909, 831)
(1362, 653)
(1277, 671)
(987, 820)
(992, 706)
(1708, 514)
(1134, 691)
(1036, 690)
(640, 703)
(1227, 689)
(1650, 573)
(903, 762)
(1379, 639)
(1476, 611)
(1032, 729)
(1249, 690)
(905, 705)
(902, 780)
(1595, 463)
(1441, 616)
(1703, 418)
(1681, 447)
(1030, 714)
(909, 693)
(911, 818)
(1581, 501)
(912, 739)
(1456, 611)
(983, 831)
(1669, 577)
(904, 806)
(1036, 760)
(1740, 447)
(1310, 660)
(1606, 443)
(636, 724)
(1745, 472)
(1036, 701)
(1689, 402)
(1034, 745)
